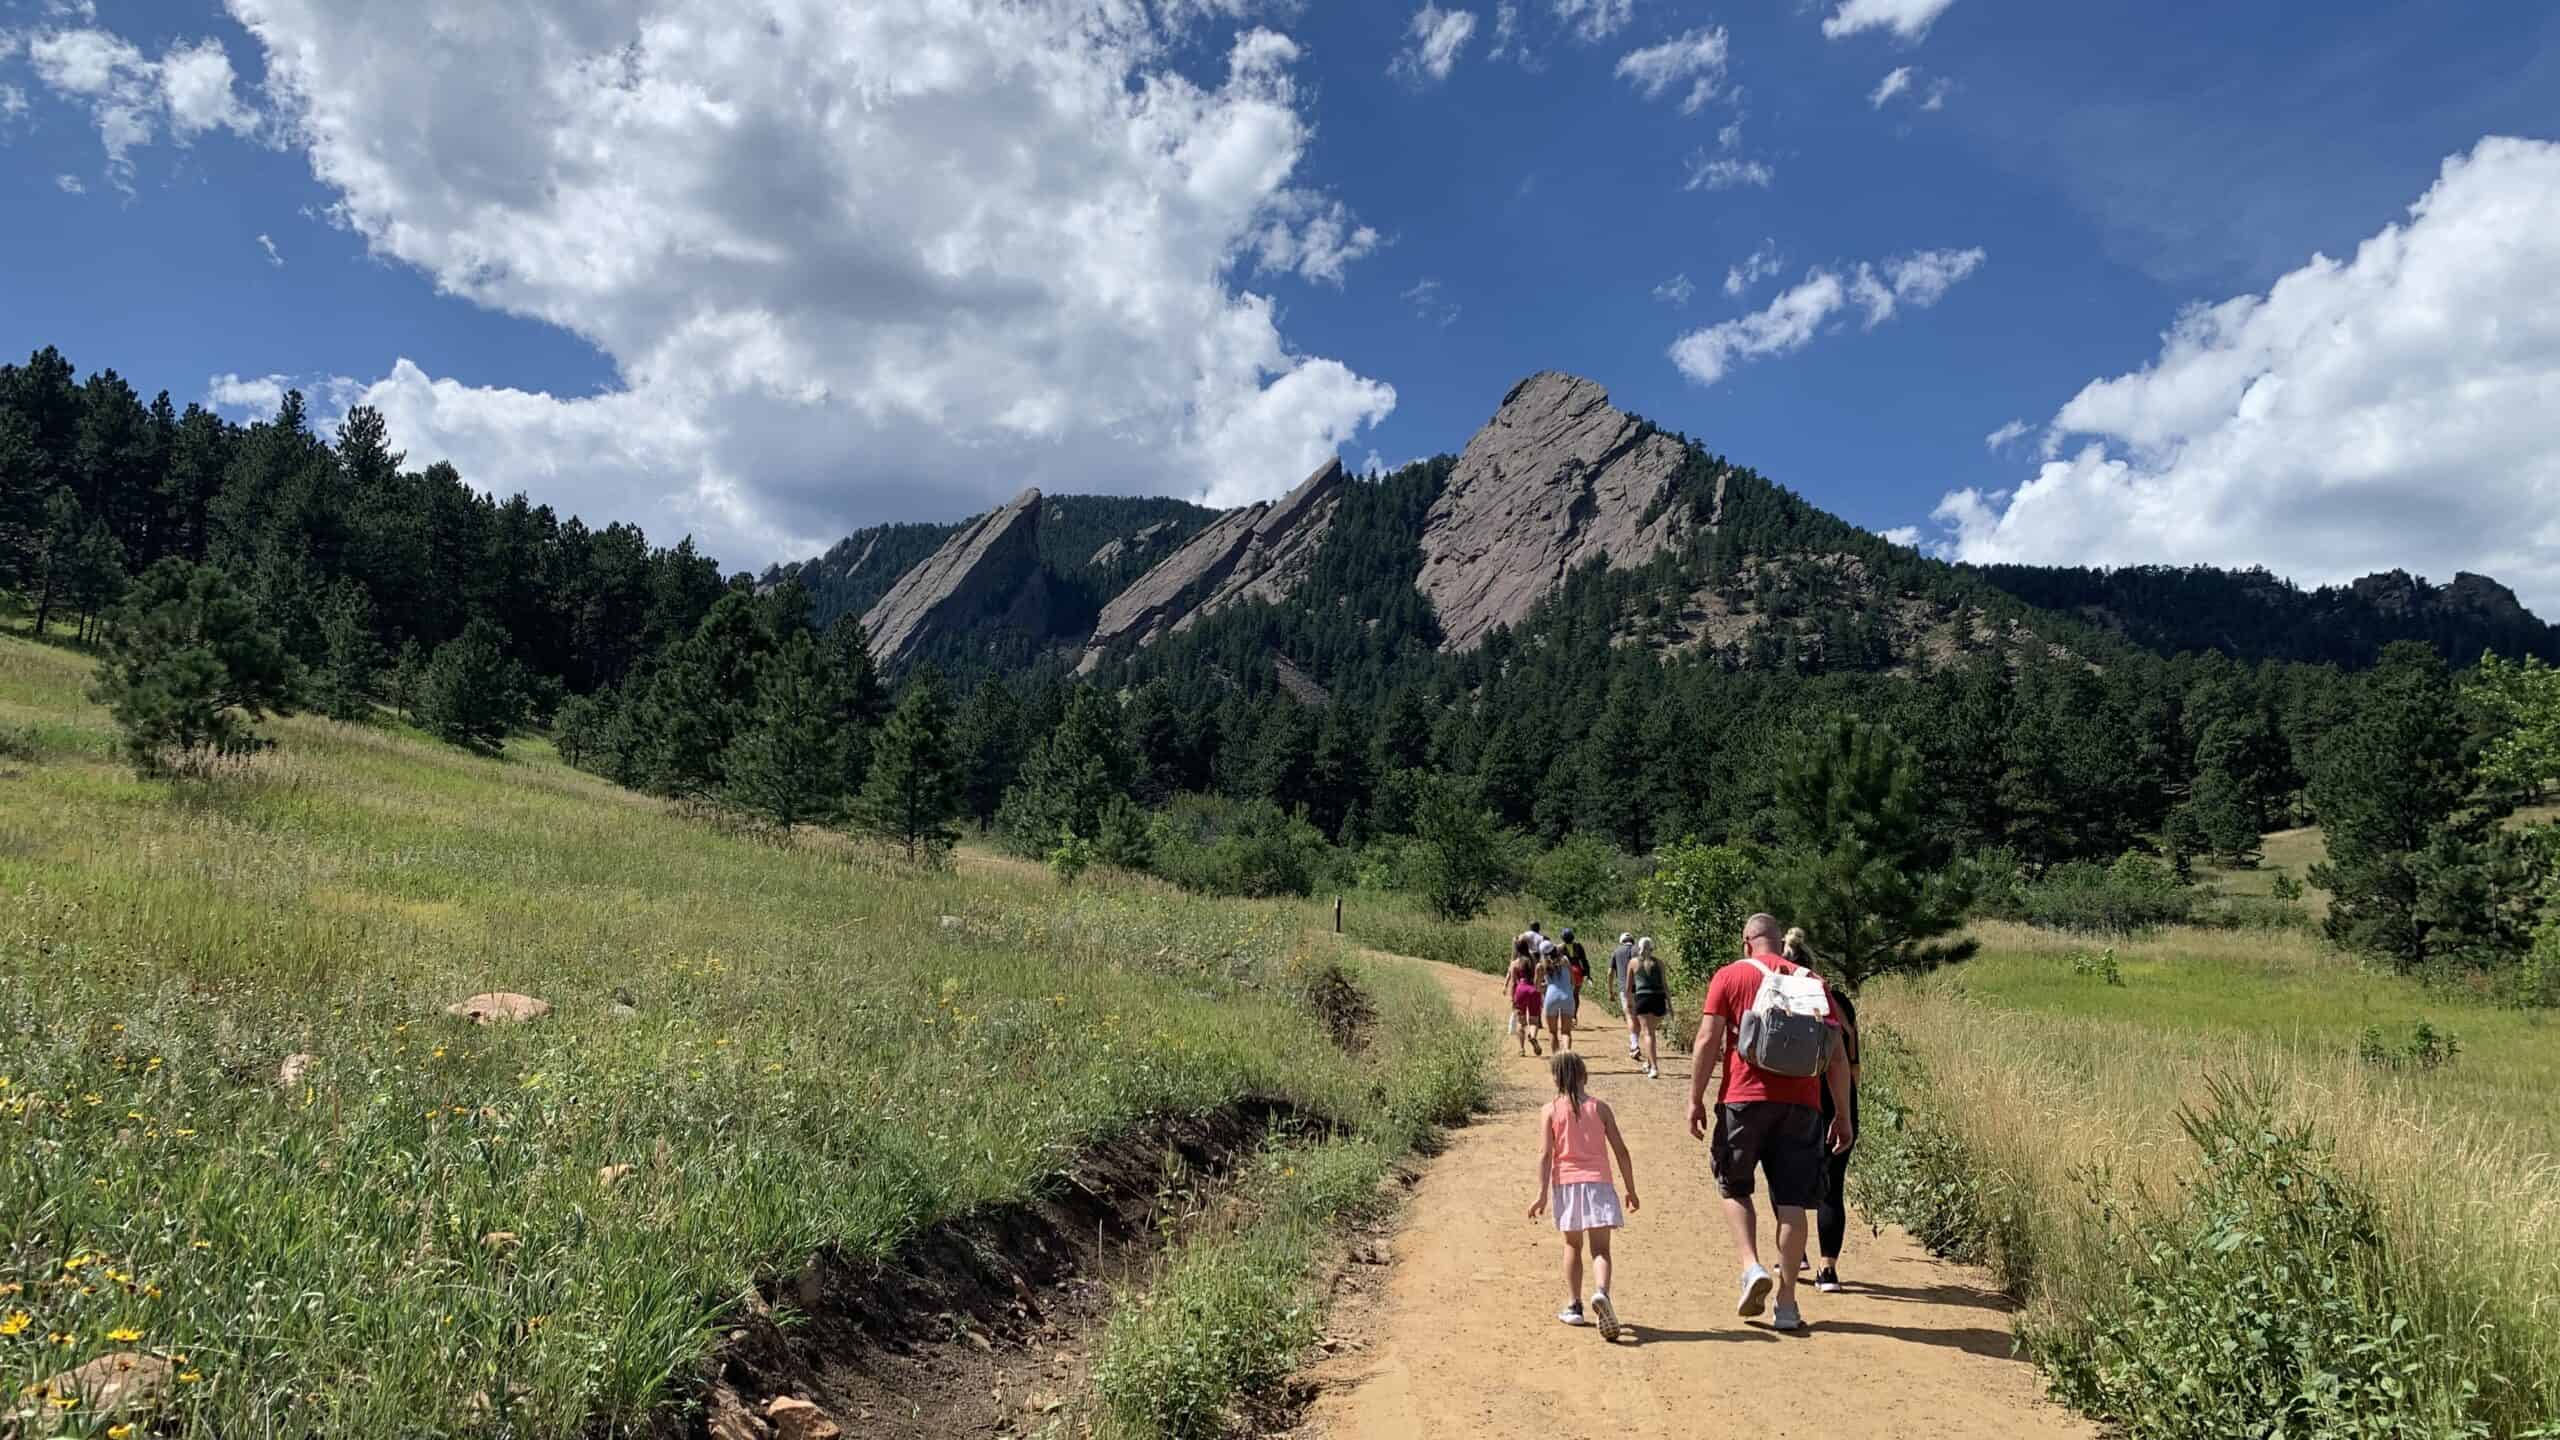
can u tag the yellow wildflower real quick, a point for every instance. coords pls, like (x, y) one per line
(64, 1402)
(184, 1134)
(16, 1322)
(76, 1261)
(119, 1432)
(124, 1334)
(199, 1244)
(190, 1377)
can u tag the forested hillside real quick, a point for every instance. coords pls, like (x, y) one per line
(1275, 744)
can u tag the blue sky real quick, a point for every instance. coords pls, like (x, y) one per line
(907, 261)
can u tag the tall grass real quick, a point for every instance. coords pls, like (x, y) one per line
(2056, 1132)
(429, 1230)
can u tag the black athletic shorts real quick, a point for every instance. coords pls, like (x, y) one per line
(1785, 1140)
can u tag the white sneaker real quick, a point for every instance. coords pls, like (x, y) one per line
(1757, 1282)
(1786, 1317)
(1608, 1316)
(1653, 1072)
(1570, 1315)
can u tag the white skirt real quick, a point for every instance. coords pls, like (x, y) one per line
(1591, 1205)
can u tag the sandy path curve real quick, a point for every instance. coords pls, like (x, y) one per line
(1464, 1342)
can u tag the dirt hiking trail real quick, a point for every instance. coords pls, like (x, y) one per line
(1463, 1340)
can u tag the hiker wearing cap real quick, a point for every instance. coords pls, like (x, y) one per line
(1619, 960)
(1771, 1033)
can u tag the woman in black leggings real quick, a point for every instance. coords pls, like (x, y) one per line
(1831, 1217)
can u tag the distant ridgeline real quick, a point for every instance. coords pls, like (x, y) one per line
(2252, 615)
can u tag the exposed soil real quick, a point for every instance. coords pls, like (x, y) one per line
(983, 1325)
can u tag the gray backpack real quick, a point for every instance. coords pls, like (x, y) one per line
(1787, 1028)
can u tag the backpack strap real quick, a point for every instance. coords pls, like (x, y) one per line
(1754, 962)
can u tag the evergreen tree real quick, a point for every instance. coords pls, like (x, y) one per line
(471, 695)
(912, 792)
(786, 765)
(351, 658)
(1613, 796)
(989, 742)
(1070, 777)
(1868, 879)
(1456, 860)
(409, 679)
(189, 669)
(2387, 785)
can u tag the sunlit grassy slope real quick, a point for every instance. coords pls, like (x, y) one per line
(2064, 1088)
(418, 1236)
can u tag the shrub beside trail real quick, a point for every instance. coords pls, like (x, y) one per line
(2261, 1244)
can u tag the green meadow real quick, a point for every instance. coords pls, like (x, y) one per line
(761, 1048)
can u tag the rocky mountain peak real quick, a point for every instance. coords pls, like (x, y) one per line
(977, 573)
(1557, 477)
(1260, 552)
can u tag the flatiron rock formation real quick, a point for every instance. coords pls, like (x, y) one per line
(1257, 553)
(1557, 477)
(973, 576)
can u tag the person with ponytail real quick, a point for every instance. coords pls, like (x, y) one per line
(1581, 1134)
(1831, 1215)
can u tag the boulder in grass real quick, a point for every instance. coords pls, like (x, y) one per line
(126, 1382)
(609, 1176)
(499, 1007)
(293, 1068)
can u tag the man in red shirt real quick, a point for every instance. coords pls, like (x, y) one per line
(1766, 1122)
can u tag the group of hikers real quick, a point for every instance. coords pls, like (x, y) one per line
(1781, 1050)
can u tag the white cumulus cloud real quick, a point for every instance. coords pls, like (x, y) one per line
(1907, 19)
(892, 260)
(1896, 81)
(2400, 408)
(1695, 58)
(1438, 36)
(1792, 320)
(2004, 437)
(130, 96)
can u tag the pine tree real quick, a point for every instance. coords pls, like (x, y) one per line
(471, 694)
(988, 741)
(786, 764)
(351, 658)
(189, 669)
(913, 790)
(1866, 876)
(2386, 785)
(1456, 858)
(1070, 777)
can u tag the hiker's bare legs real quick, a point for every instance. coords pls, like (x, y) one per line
(1573, 1268)
(1745, 1223)
(1791, 1238)
(1599, 1262)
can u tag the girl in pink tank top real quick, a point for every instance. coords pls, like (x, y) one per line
(1581, 1136)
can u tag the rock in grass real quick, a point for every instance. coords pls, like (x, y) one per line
(122, 1383)
(294, 1067)
(499, 1007)
(501, 1242)
(952, 922)
(797, 1419)
(609, 1176)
